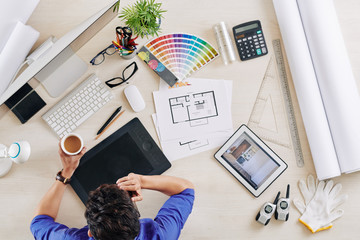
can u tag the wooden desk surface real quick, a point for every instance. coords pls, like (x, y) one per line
(223, 208)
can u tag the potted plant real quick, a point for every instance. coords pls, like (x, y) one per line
(144, 17)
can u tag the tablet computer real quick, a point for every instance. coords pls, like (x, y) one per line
(250, 160)
(129, 149)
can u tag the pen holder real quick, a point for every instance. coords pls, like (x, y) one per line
(130, 56)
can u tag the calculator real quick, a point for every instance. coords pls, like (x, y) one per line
(250, 41)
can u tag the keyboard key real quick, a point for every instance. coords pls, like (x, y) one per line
(85, 117)
(77, 106)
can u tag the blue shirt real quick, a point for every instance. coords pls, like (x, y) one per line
(166, 225)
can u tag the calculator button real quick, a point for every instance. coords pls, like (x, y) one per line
(254, 36)
(260, 35)
(264, 50)
(260, 38)
(249, 38)
(246, 47)
(244, 39)
(258, 51)
(257, 46)
(262, 45)
(249, 55)
(239, 41)
(256, 43)
(261, 41)
(251, 46)
(255, 40)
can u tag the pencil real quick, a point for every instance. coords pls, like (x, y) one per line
(109, 125)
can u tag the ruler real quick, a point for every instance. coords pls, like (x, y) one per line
(288, 103)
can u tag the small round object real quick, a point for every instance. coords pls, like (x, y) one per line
(147, 146)
(284, 205)
(268, 209)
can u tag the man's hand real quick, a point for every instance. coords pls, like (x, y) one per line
(132, 184)
(70, 163)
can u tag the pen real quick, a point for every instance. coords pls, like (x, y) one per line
(109, 120)
(109, 125)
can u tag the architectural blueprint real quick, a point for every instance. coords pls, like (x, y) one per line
(180, 148)
(193, 111)
(194, 108)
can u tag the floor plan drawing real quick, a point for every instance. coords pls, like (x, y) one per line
(194, 144)
(193, 108)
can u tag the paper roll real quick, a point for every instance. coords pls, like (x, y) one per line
(335, 78)
(307, 89)
(224, 42)
(16, 49)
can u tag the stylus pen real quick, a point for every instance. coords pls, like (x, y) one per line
(109, 120)
(109, 125)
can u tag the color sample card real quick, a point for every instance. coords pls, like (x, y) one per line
(179, 53)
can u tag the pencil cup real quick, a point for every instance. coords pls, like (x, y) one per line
(130, 56)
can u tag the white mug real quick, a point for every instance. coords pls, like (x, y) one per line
(76, 151)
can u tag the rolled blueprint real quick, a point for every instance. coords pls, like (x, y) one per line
(224, 42)
(335, 78)
(307, 90)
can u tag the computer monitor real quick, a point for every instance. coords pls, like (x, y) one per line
(58, 66)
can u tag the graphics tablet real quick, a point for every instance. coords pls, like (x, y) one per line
(129, 149)
(250, 160)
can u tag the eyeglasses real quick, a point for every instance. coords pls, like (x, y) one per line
(127, 73)
(100, 57)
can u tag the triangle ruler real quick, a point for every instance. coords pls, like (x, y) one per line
(268, 118)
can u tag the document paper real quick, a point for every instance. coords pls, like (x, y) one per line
(192, 111)
(186, 146)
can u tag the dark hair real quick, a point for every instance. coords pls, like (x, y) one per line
(110, 214)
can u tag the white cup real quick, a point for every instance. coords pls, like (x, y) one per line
(74, 151)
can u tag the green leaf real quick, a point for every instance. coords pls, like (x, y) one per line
(142, 17)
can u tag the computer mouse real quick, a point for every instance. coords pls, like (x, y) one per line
(134, 98)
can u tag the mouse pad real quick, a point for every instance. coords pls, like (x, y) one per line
(129, 149)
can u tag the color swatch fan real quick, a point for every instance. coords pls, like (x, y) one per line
(174, 57)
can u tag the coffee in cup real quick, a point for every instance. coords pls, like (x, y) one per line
(72, 144)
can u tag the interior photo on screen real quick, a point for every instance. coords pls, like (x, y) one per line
(250, 161)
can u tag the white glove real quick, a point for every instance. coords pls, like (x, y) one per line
(319, 212)
(308, 192)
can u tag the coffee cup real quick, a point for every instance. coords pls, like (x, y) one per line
(72, 144)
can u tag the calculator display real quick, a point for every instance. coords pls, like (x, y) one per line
(242, 29)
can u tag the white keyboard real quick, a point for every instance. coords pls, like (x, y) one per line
(76, 107)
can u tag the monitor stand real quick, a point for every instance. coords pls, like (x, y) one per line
(61, 72)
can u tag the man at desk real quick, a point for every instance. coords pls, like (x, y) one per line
(110, 212)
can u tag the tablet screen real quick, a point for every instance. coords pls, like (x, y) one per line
(117, 160)
(249, 160)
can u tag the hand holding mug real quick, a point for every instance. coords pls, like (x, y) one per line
(71, 149)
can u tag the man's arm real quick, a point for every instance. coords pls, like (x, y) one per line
(50, 203)
(166, 184)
